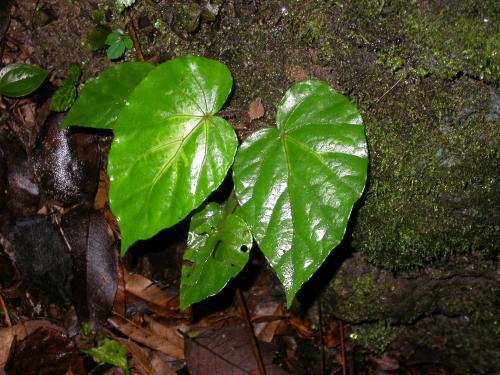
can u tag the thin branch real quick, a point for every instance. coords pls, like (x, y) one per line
(342, 347)
(321, 341)
(388, 91)
(133, 35)
(5, 312)
(251, 334)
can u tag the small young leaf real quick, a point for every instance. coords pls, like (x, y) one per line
(218, 248)
(297, 183)
(18, 80)
(103, 98)
(96, 38)
(113, 37)
(63, 98)
(128, 42)
(116, 50)
(73, 73)
(110, 352)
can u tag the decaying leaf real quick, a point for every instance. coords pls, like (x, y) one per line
(256, 109)
(46, 351)
(148, 337)
(227, 351)
(95, 263)
(43, 258)
(19, 332)
(66, 163)
(157, 300)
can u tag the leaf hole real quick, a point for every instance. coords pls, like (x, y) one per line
(244, 248)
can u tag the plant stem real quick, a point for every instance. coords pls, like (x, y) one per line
(5, 312)
(342, 347)
(133, 35)
(251, 334)
(321, 341)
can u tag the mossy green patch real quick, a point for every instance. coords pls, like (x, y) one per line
(434, 157)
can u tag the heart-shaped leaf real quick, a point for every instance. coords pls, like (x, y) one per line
(20, 79)
(169, 150)
(218, 248)
(297, 183)
(103, 98)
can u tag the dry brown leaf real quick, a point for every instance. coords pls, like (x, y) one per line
(157, 300)
(147, 337)
(19, 332)
(303, 328)
(145, 363)
(101, 197)
(332, 338)
(265, 331)
(256, 109)
(170, 333)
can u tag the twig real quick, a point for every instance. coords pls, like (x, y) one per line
(133, 35)
(5, 312)
(388, 91)
(321, 341)
(342, 347)
(251, 334)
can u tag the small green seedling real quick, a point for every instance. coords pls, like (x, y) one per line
(18, 80)
(65, 95)
(110, 352)
(118, 42)
(295, 184)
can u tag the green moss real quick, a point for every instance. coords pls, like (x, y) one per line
(443, 39)
(373, 337)
(434, 157)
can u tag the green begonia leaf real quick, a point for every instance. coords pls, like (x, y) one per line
(63, 98)
(73, 73)
(103, 98)
(18, 80)
(110, 352)
(218, 248)
(170, 151)
(128, 42)
(116, 50)
(297, 183)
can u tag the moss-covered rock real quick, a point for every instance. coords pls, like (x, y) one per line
(445, 314)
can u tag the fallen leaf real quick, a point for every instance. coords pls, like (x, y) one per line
(66, 163)
(147, 337)
(19, 332)
(266, 330)
(95, 264)
(157, 300)
(101, 197)
(225, 351)
(146, 363)
(43, 258)
(22, 195)
(303, 328)
(256, 109)
(46, 351)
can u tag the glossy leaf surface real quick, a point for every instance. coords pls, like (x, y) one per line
(18, 80)
(297, 183)
(218, 248)
(103, 99)
(169, 150)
